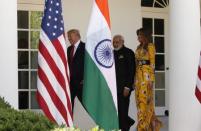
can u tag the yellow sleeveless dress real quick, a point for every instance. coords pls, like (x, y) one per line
(147, 120)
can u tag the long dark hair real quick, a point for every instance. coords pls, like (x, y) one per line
(148, 36)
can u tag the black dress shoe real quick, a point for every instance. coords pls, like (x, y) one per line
(130, 121)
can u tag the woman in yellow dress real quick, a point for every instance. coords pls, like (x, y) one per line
(144, 80)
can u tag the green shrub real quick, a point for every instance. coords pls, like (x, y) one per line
(4, 104)
(13, 120)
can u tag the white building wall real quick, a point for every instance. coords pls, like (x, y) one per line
(8, 52)
(185, 48)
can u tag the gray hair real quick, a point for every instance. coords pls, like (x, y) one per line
(120, 37)
(75, 31)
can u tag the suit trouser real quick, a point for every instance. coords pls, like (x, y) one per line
(76, 92)
(123, 105)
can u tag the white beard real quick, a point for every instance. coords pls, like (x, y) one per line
(118, 48)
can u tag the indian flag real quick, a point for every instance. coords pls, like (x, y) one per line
(99, 93)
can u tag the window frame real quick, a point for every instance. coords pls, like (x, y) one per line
(32, 6)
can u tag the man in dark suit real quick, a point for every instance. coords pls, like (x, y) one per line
(125, 71)
(76, 64)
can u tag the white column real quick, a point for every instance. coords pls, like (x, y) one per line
(8, 51)
(185, 46)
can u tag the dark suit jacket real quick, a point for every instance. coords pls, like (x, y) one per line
(76, 70)
(125, 68)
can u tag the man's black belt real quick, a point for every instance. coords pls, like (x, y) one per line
(143, 62)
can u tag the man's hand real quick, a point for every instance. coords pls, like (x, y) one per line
(126, 91)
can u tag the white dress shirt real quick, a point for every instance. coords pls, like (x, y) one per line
(76, 46)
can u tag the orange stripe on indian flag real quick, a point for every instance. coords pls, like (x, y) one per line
(103, 6)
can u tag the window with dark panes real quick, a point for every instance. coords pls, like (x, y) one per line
(147, 23)
(28, 37)
(157, 27)
(147, 3)
(159, 43)
(160, 89)
(159, 66)
(155, 3)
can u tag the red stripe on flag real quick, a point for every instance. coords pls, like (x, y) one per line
(57, 73)
(60, 51)
(199, 73)
(56, 100)
(197, 91)
(198, 94)
(44, 106)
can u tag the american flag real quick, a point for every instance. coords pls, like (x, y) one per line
(53, 92)
(198, 85)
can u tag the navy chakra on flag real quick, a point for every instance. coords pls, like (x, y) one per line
(103, 53)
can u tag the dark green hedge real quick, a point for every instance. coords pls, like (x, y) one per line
(13, 120)
(4, 104)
